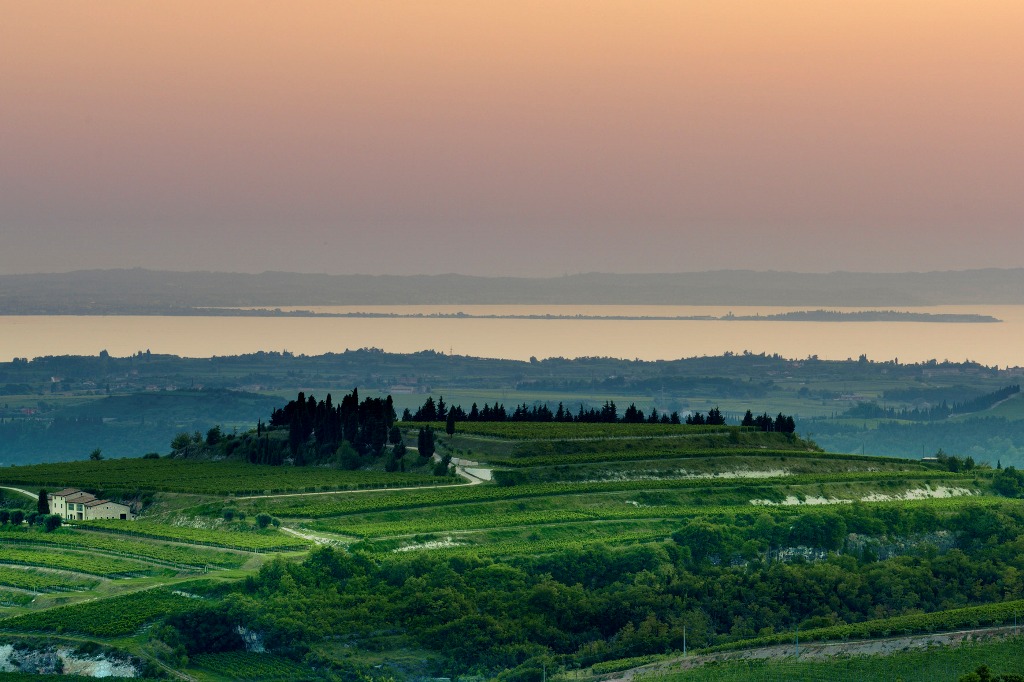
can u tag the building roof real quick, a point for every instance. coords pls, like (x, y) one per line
(95, 503)
(66, 492)
(81, 497)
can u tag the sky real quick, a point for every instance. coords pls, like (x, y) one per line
(527, 138)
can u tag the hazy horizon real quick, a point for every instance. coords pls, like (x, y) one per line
(525, 139)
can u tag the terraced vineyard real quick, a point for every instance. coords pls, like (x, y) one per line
(325, 506)
(589, 546)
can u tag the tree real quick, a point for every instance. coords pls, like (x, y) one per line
(263, 520)
(5, 516)
(1009, 482)
(43, 504)
(425, 442)
(181, 443)
(715, 417)
(347, 456)
(53, 522)
(449, 424)
(17, 516)
(213, 436)
(96, 455)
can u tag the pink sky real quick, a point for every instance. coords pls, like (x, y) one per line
(522, 138)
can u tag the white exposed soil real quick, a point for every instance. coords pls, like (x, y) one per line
(196, 522)
(312, 537)
(684, 474)
(433, 544)
(62, 660)
(925, 493)
(792, 501)
(938, 492)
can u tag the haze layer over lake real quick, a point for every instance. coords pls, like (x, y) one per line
(990, 344)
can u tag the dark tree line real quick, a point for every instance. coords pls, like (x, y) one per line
(608, 413)
(780, 424)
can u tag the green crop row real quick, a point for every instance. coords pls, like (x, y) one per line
(485, 520)
(574, 430)
(131, 548)
(39, 581)
(655, 450)
(325, 506)
(244, 665)
(208, 478)
(255, 540)
(985, 615)
(518, 547)
(114, 617)
(79, 562)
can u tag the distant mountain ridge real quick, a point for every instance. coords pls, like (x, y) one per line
(139, 291)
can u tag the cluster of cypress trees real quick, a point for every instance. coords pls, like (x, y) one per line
(316, 430)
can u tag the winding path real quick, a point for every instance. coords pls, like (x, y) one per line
(459, 469)
(34, 496)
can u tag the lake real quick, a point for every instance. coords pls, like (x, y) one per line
(991, 344)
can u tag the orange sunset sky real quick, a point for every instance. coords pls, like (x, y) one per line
(514, 138)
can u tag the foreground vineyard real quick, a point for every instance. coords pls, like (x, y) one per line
(591, 545)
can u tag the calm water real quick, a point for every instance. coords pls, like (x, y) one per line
(991, 344)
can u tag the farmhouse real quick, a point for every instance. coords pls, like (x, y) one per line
(76, 505)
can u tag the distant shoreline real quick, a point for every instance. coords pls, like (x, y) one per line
(793, 316)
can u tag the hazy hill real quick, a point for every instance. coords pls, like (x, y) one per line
(147, 291)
